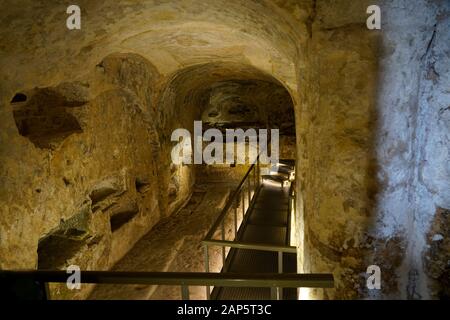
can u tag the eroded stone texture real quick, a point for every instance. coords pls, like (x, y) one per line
(98, 190)
(47, 118)
(437, 255)
(336, 136)
(86, 118)
(174, 245)
(361, 144)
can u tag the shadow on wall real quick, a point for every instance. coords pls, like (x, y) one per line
(47, 119)
(370, 152)
(338, 137)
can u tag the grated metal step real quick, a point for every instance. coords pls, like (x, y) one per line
(267, 223)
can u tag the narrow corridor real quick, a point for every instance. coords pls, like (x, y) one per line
(267, 224)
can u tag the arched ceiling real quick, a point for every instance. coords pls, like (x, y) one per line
(227, 95)
(171, 34)
(249, 104)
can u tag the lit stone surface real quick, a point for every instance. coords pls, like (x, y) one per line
(173, 245)
(85, 164)
(369, 118)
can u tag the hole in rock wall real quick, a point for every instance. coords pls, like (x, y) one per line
(47, 129)
(46, 119)
(101, 192)
(66, 181)
(57, 248)
(19, 97)
(213, 114)
(105, 194)
(142, 185)
(123, 215)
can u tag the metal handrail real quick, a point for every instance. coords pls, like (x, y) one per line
(251, 246)
(230, 202)
(274, 281)
(209, 241)
(183, 279)
(291, 205)
(289, 280)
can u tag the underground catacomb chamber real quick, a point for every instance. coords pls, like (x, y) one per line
(361, 111)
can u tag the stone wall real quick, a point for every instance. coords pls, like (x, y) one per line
(86, 156)
(372, 144)
(432, 177)
(84, 193)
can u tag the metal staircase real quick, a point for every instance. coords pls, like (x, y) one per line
(258, 261)
(261, 241)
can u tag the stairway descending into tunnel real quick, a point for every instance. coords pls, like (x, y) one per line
(261, 243)
(258, 261)
(267, 224)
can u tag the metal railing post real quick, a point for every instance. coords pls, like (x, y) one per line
(208, 292)
(255, 182)
(280, 261)
(273, 293)
(223, 248)
(280, 270)
(289, 220)
(47, 291)
(289, 204)
(235, 220)
(249, 192)
(259, 172)
(184, 292)
(184, 280)
(243, 204)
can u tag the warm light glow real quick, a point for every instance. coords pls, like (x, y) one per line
(293, 237)
(272, 183)
(305, 294)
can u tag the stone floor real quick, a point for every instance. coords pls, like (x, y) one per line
(174, 244)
